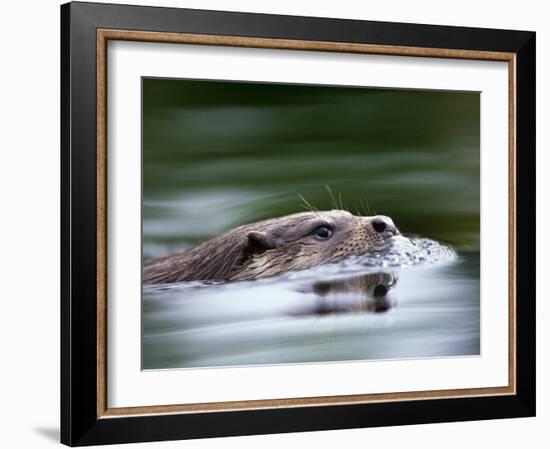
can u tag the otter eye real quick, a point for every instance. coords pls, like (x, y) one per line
(323, 233)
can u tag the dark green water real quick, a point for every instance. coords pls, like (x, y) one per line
(219, 154)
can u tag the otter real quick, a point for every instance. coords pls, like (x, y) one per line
(274, 246)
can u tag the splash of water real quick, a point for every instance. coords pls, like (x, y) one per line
(396, 253)
(403, 252)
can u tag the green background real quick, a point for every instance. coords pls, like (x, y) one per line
(220, 154)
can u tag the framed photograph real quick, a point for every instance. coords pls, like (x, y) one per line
(279, 224)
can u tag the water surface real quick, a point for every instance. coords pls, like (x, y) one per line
(319, 315)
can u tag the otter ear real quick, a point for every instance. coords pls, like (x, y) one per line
(257, 242)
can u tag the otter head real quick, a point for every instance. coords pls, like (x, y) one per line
(275, 246)
(308, 239)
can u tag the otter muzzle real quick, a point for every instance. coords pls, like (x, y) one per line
(384, 225)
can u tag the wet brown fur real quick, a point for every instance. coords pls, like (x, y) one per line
(267, 248)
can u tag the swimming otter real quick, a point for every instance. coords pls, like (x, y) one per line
(274, 246)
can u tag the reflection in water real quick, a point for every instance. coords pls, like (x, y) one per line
(365, 293)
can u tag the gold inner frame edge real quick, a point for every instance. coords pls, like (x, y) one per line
(104, 35)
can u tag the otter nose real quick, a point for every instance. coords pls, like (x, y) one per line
(383, 225)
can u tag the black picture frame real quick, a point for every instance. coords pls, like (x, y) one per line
(80, 423)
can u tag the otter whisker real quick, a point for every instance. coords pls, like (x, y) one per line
(366, 208)
(341, 202)
(333, 202)
(307, 205)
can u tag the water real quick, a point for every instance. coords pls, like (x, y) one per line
(218, 155)
(385, 305)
